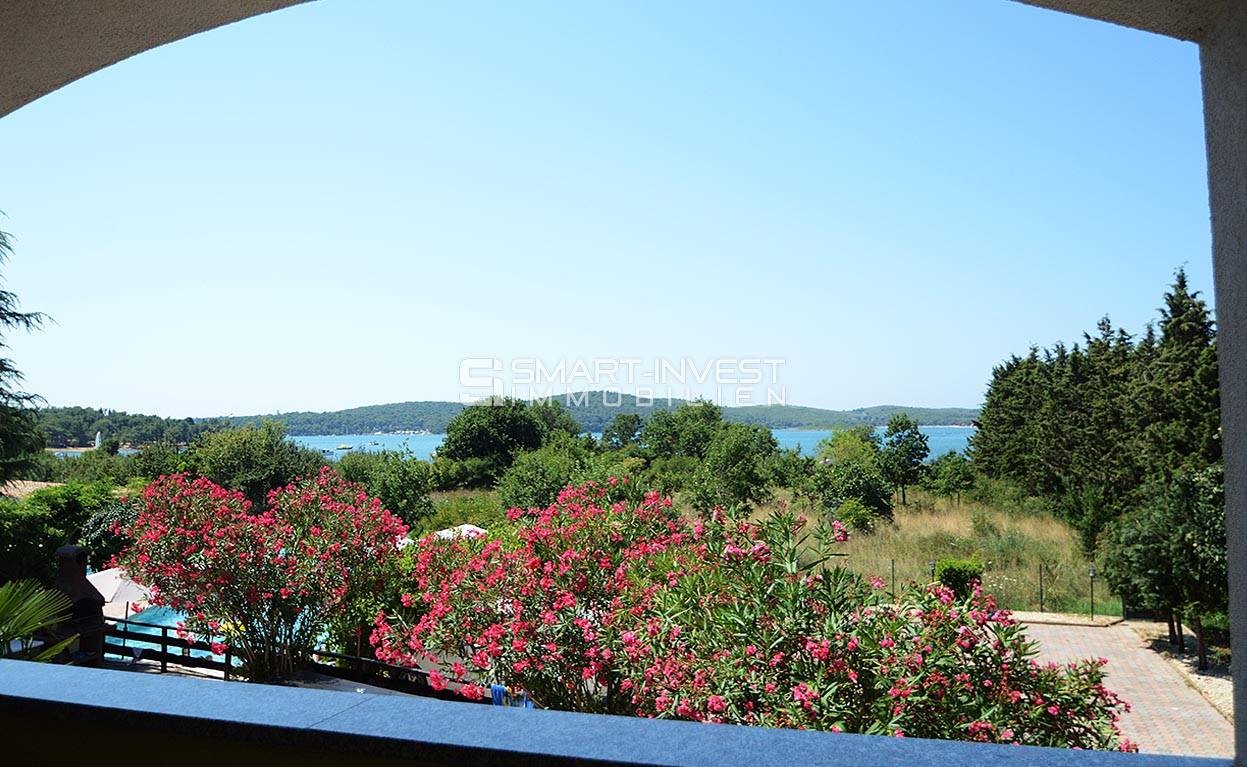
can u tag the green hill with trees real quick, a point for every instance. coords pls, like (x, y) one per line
(594, 411)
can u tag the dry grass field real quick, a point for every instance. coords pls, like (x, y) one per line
(1012, 546)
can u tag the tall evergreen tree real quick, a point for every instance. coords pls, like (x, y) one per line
(1089, 427)
(1183, 429)
(20, 438)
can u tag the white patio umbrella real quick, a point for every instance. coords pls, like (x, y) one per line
(114, 586)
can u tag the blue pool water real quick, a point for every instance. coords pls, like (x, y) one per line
(940, 438)
(161, 616)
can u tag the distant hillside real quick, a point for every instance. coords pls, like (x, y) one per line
(797, 417)
(77, 426)
(398, 416)
(595, 410)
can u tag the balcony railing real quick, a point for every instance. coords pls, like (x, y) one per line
(56, 709)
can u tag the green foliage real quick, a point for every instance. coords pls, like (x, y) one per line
(71, 504)
(857, 515)
(950, 475)
(89, 466)
(252, 459)
(28, 538)
(554, 419)
(33, 528)
(1171, 554)
(468, 473)
(670, 475)
(685, 432)
(400, 480)
(100, 533)
(535, 478)
(737, 469)
(20, 438)
(492, 433)
(26, 608)
(903, 451)
(623, 431)
(834, 484)
(858, 443)
(791, 469)
(959, 575)
(159, 459)
(1088, 428)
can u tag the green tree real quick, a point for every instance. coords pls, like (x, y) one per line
(950, 475)
(1184, 422)
(535, 479)
(737, 467)
(554, 418)
(683, 432)
(20, 438)
(1087, 428)
(836, 483)
(33, 528)
(1170, 555)
(858, 443)
(159, 459)
(623, 431)
(791, 469)
(252, 459)
(492, 433)
(903, 452)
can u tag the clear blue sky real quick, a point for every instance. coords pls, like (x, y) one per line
(333, 205)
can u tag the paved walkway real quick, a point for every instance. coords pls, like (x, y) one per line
(1168, 716)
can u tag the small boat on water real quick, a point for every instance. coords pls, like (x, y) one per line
(345, 446)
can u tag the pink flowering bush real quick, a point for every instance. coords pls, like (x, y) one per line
(632, 609)
(273, 581)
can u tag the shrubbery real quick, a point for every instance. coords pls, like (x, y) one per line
(737, 469)
(847, 480)
(399, 480)
(960, 575)
(314, 558)
(633, 609)
(31, 529)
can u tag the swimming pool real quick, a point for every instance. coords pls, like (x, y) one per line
(162, 616)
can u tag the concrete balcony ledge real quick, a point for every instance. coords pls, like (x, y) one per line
(54, 712)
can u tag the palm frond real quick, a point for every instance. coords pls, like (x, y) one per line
(27, 608)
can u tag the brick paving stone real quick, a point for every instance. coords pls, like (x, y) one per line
(1168, 716)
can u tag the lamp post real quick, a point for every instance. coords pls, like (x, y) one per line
(931, 565)
(1091, 572)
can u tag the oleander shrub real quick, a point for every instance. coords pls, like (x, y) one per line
(314, 559)
(632, 608)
